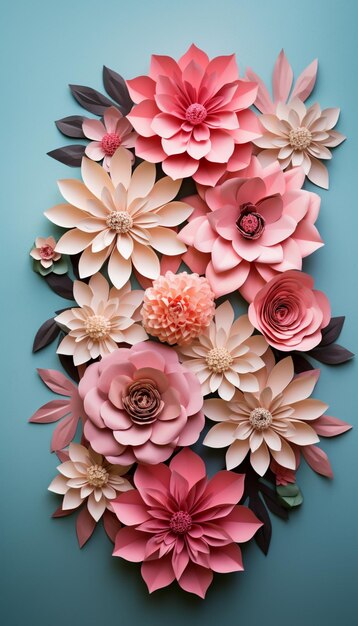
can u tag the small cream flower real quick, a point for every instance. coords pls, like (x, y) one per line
(225, 355)
(105, 318)
(87, 475)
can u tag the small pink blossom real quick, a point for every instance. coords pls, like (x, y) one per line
(44, 251)
(113, 132)
(183, 526)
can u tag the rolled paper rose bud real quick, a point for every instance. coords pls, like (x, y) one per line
(290, 313)
(143, 402)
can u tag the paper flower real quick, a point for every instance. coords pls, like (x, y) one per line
(193, 116)
(178, 307)
(105, 317)
(267, 422)
(290, 313)
(88, 476)
(296, 136)
(225, 355)
(122, 218)
(113, 132)
(251, 228)
(141, 403)
(46, 259)
(183, 526)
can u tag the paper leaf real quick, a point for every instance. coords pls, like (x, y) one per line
(90, 99)
(272, 502)
(61, 284)
(290, 495)
(116, 87)
(282, 78)
(62, 455)
(263, 535)
(332, 331)
(333, 354)
(50, 412)
(111, 525)
(46, 334)
(85, 525)
(64, 433)
(305, 82)
(69, 155)
(327, 426)
(301, 364)
(318, 460)
(71, 126)
(57, 382)
(68, 365)
(61, 513)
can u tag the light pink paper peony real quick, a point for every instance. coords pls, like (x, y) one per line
(113, 132)
(269, 423)
(105, 317)
(123, 217)
(178, 307)
(140, 404)
(183, 526)
(290, 313)
(249, 229)
(193, 116)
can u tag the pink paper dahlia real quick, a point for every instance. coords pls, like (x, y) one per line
(140, 404)
(178, 307)
(249, 229)
(113, 132)
(183, 526)
(193, 116)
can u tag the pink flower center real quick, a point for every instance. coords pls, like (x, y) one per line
(250, 223)
(180, 522)
(143, 402)
(177, 310)
(47, 253)
(110, 142)
(195, 113)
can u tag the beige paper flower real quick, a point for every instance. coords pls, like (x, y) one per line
(296, 136)
(104, 318)
(121, 217)
(87, 475)
(225, 355)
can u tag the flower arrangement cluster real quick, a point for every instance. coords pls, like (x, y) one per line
(154, 362)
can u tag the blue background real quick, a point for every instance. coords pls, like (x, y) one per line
(310, 575)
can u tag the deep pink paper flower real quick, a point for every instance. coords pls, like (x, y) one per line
(251, 228)
(290, 313)
(183, 526)
(107, 136)
(193, 116)
(141, 403)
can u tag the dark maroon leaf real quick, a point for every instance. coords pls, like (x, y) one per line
(332, 354)
(71, 126)
(332, 331)
(61, 513)
(67, 364)
(301, 364)
(90, 99)
(272, 502)
(46, 334)
(263, 535)
(111, 525)
(116, 87)
(85, 525)
(60, 284)
(69, 155)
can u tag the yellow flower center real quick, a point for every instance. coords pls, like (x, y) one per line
(97, 476)
(120, 221)
(97, 327)
(219, 360)
(300, 138)
(260, 419)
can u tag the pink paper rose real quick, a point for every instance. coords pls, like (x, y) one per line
(140, 404)
(290, 313)
(193, 116)
(183, 526)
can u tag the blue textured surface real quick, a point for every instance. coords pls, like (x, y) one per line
(310, 574)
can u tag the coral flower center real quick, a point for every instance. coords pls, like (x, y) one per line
(195, 113)
(97, 327)
(250, 223)
(260, 419)
(120, 221)
(47, 253)
(143, 402)
(110, 142)
(219, 360)
(97, 476)
(300, 138)
(177, 310)
(180, 522)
